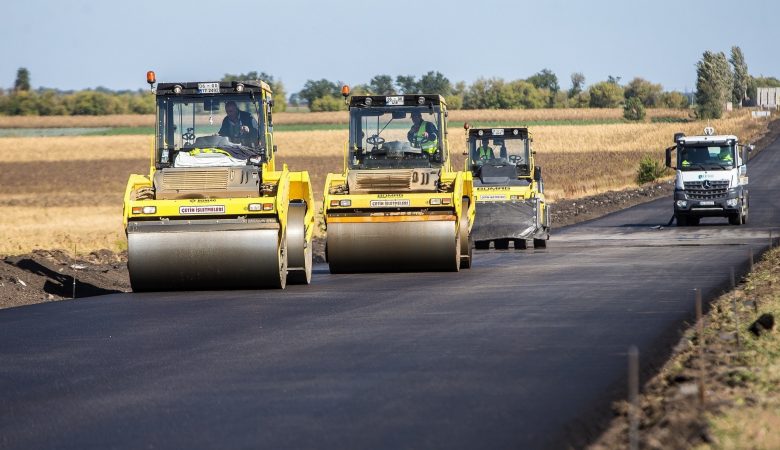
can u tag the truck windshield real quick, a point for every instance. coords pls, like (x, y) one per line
(717, 157)
(231, 125)
(395, 137)
(500, 150)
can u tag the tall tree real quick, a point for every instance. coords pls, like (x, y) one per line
(22, 82)
(577, 83)
(713, 84)
(648, 93)
(434, 83)
(606, 94)
(546, 79)
(314, 89)
(741, 76)
(407, 84)
(381, 85)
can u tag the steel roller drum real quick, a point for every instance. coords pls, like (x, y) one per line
(414, 246)
(499, 220)
(188, 257)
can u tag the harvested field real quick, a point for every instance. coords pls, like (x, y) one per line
(288, 118)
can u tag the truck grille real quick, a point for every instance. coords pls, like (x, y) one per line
(195, 180)
(706, 190)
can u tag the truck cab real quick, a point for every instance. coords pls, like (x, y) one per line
(711, 178)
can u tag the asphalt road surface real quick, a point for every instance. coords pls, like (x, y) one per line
(526, 350)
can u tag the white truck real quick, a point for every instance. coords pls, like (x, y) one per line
(711, 177)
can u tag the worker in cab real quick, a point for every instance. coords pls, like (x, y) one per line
(423, 134)
(684, 157)
(239, 126)
(485, 152)
(725, 155)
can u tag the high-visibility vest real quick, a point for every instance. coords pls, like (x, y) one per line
(484, 152)
(198, 151)
(726, 157)
(426, 145)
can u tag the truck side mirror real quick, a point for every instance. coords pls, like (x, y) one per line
(669, 157)
(745, 154)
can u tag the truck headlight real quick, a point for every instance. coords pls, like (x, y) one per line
(732, 202)
(682, 203)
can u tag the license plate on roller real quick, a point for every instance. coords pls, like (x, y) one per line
(208, 88)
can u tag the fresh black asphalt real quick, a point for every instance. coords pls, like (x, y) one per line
(525, 350)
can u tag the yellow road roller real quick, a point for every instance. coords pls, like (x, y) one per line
(214, 212)
(398, 206)
(508, 187)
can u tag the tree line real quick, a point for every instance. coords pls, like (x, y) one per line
(541, 90)
(22, 100)
(719, 80)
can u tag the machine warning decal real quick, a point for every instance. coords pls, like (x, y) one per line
(211, 209)
(395, 100)
(389, 203)
(208, 88)
(497, 131)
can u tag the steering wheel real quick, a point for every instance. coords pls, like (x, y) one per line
(515, 159)
(189, 136)
(375, 140)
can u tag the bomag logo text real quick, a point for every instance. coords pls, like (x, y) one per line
(501, 188)
(390, 195)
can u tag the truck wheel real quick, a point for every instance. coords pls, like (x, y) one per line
(521, 244)
(735, 219)
(694, 221)
(481, 245)
(540, 243)
(682, 221)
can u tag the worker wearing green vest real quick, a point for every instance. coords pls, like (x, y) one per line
(423, 134)
(485, 152)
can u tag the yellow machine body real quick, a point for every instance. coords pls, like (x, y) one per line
(508, 188)
(397, 207)
(216, 221)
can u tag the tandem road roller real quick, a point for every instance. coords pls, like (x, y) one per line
(398, 206)
(214, 212)
(508, 188)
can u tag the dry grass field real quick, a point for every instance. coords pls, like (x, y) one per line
(61, 191)
(341, 117)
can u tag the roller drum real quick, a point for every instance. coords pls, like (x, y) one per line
(191, 258)
(299, 252)
(393, 246)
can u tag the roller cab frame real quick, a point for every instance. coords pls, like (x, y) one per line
(215, 212)
(508, 187)
(398, 206)
(711, 177)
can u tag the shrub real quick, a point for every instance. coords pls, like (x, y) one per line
(605, 95)
(634, 109)
(327, 103)
(649, 170)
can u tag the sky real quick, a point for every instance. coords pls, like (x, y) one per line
(82, 44)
